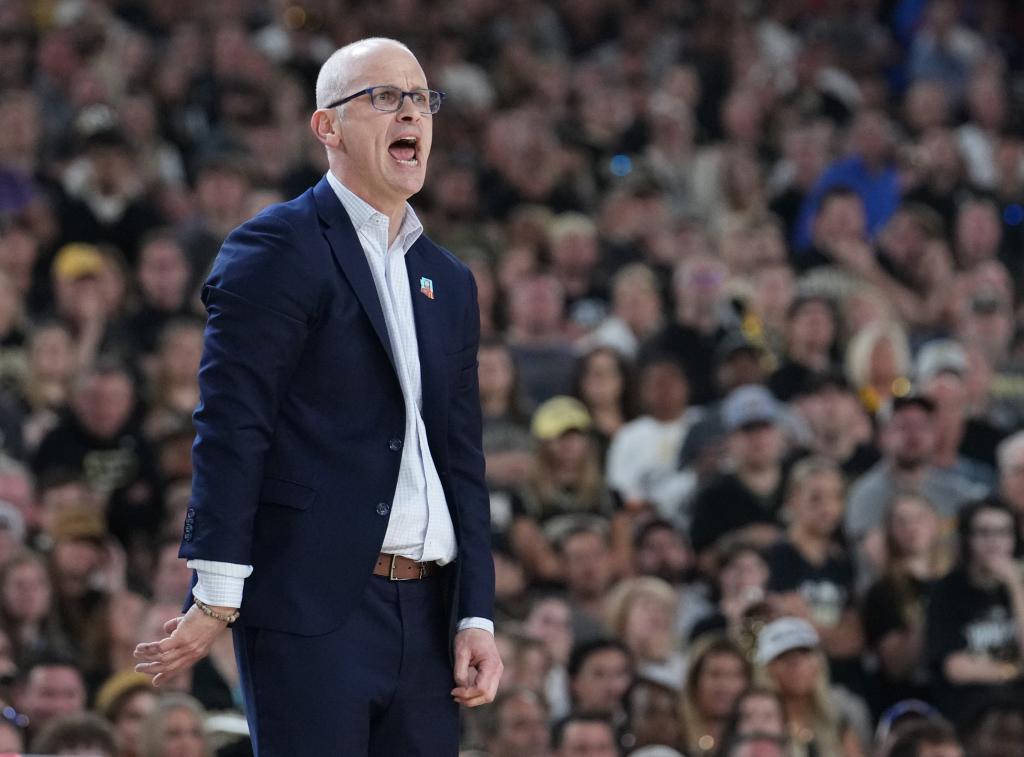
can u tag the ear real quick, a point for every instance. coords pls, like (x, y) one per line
(325, 128)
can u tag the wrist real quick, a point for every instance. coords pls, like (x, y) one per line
(226, 615)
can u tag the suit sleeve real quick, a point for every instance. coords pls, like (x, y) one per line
(476, 584)
(259, 301)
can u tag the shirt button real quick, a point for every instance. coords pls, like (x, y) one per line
(395, 445)
(383, 508)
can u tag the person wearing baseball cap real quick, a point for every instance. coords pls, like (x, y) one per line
(749, 496)
(788, 652)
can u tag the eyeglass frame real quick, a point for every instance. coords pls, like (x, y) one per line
(401, 102)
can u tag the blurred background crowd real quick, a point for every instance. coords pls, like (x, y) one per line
(752, 369)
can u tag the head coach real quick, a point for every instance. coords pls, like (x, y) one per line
(339, 519)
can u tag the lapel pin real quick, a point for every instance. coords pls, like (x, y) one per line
(427, 287)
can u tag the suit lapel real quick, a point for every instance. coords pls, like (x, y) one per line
(429, 336)
(347, 250)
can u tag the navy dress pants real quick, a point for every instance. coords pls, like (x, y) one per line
(377, 686)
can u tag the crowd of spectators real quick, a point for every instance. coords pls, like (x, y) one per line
(752, 368)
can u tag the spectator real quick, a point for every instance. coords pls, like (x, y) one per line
(699, 288)
(517, 725)
(603, 382)
(908, 444)
(584, 735)
(643, 457)
(27, 609)
(926, 738)
(975, 625)
(878, 363)
(654, 715)
(125, 700)
(811, 577)
(758, 710)
(506, 436)
(717, 673)
(915, 558)
(748, 498)
(175, 729)
(564, 491)
(587, 567)
(51, 687)
(1010, 454)
(839, 427)
(810, 338)
(600, 674)
(642, 613)
(76, 734)
(789, 656)
(996, 729)
(636, 312)
(550, 621)
(538, 337)
(742, 575)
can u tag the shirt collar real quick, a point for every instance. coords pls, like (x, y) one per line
(361, 213)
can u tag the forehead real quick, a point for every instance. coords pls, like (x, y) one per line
(385, 64)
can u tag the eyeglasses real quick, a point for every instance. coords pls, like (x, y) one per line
(389, 99)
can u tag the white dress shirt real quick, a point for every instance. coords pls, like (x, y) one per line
(420, 526)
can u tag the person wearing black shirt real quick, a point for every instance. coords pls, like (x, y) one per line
(748, 497)
(811, 576)
(810, 333)
(975, 625)
(895, 605)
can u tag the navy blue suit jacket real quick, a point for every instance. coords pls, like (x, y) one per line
(301, 418)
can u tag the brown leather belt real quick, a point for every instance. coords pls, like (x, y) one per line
(399, 568)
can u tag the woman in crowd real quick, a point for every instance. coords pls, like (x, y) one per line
(565, 490)
(506, 420)
(742, 578)
(603, 383)
(27, 612)
(175, 729)
(878, 362)
(47, 382)
(791, 663)
(975, 621)
(126, 700)
(641, 612)
(916, 556)
(718, 673)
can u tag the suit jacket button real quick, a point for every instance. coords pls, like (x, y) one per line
(395, 445)
(383, 508)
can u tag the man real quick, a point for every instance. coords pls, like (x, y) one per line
(517, 725)
(338, 448)
(600, 674)
(908, 441)
(52, 686)
(748, 497)
(586, 558)
(585, 735)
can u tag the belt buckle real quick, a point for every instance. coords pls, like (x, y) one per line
(393, 577)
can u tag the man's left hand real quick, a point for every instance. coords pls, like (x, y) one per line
(477, 667)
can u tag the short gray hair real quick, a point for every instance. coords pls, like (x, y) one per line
(335, 77)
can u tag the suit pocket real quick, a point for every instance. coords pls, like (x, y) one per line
(279, 491)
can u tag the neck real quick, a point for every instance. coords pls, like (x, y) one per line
(494, 406)
(811, 545)
(761, 480)
(393, 208)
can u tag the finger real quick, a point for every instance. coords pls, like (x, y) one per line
(172, 624)
(462, 656)
(487, 679)
(476, 701)
(466, 692)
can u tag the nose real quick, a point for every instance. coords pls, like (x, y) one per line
(408, 111)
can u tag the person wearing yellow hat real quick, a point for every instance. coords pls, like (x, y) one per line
(565, 490)
(125, 700)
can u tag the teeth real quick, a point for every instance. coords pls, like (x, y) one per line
(413, 162)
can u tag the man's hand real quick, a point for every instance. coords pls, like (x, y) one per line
(191, 636)
(477, 667)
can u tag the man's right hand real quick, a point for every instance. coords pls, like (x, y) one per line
(191, 636)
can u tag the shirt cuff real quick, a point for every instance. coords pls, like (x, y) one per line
(219, 583)
(482, 623)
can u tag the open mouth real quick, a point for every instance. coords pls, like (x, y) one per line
(403, 150)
